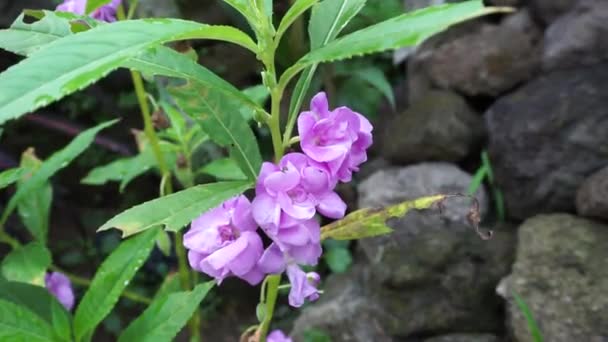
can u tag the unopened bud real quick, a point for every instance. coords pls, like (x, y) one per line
(159, 120)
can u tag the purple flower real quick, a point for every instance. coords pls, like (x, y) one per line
(223, 242)
(60, 286)
(303, 286)
(339, 138)
(104, 13)
(277, 336)
(297, 187)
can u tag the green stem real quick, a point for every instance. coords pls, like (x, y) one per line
(275, 124)
(9, 240)
(272, 292)
(87, 282)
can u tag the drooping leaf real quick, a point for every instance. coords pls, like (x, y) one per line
(18, 324)
(220, 119)
(295, 11)
(224, 169)
(92, 5)
(63, 67)
(23, 38)
(372, 222)
(111, 278)
(327, 20)
(376, 78)
(166, 316)
(39, 301)
(54, 163)
(10, 176)
(176, 210)
(122, 170)
(34, 207)
(166, 62)
(408, 29)
(27, 264)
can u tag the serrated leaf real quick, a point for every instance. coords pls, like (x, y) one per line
(408, 29)
(92, 5)
(224, 169)
(220, 119)
(18, 324)
(63, 67)
(23, 38)
(10, 176)
(27, 264)
(54, 163)
(166, 316)
(34, 207)
(110, 280)
(372, 222)
(176, 210)
(293, 13)
(327, 20)
(39, 301)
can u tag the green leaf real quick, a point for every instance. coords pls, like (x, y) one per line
(166, 62)
(316, 335)
(176, 210)
(224, 169)
(170, 284)
(327, 20)
(111, 279)
(244, 7)
(34, 207)
(408, 29)
(10, 176)
(372, 222)
(219, 118)
(54, 163)
(258, 94)
(163, 242)
(166, 316)
(477, 180)
(92, 5)
(39, 301)
(18, 324)
(338, 259)
(122, 170)
(295, 11)
(27, 264)
(63, 67)
(537, 336)
(23, 38)
(375, 77)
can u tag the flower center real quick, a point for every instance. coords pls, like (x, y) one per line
(228, 233)
(297, 195)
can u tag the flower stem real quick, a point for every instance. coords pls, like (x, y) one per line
(274, 123)
(9, 240)
(272, 291)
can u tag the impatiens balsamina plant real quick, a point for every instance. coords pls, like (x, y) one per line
(257, 236)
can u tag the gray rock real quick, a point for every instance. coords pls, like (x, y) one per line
(345, 311)
(440, 126)
(549, 10)
(578, 37)
(560, 272)
(477, 58)
(592, 195)
(547, 137)
(433, 269)
(464, 338)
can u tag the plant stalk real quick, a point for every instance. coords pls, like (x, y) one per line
(272, 292)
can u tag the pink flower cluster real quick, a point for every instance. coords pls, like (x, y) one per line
(224, 242)
(104, 13)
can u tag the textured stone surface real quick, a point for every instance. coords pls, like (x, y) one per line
(592, 195)
(549, 10)
(433, 269)
(560, 272)
(547, 137)
(440, 126)
(477, 58)
(577, 37)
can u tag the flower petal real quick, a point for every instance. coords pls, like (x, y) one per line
(272, 260)
(266, 213)
(331, 205)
